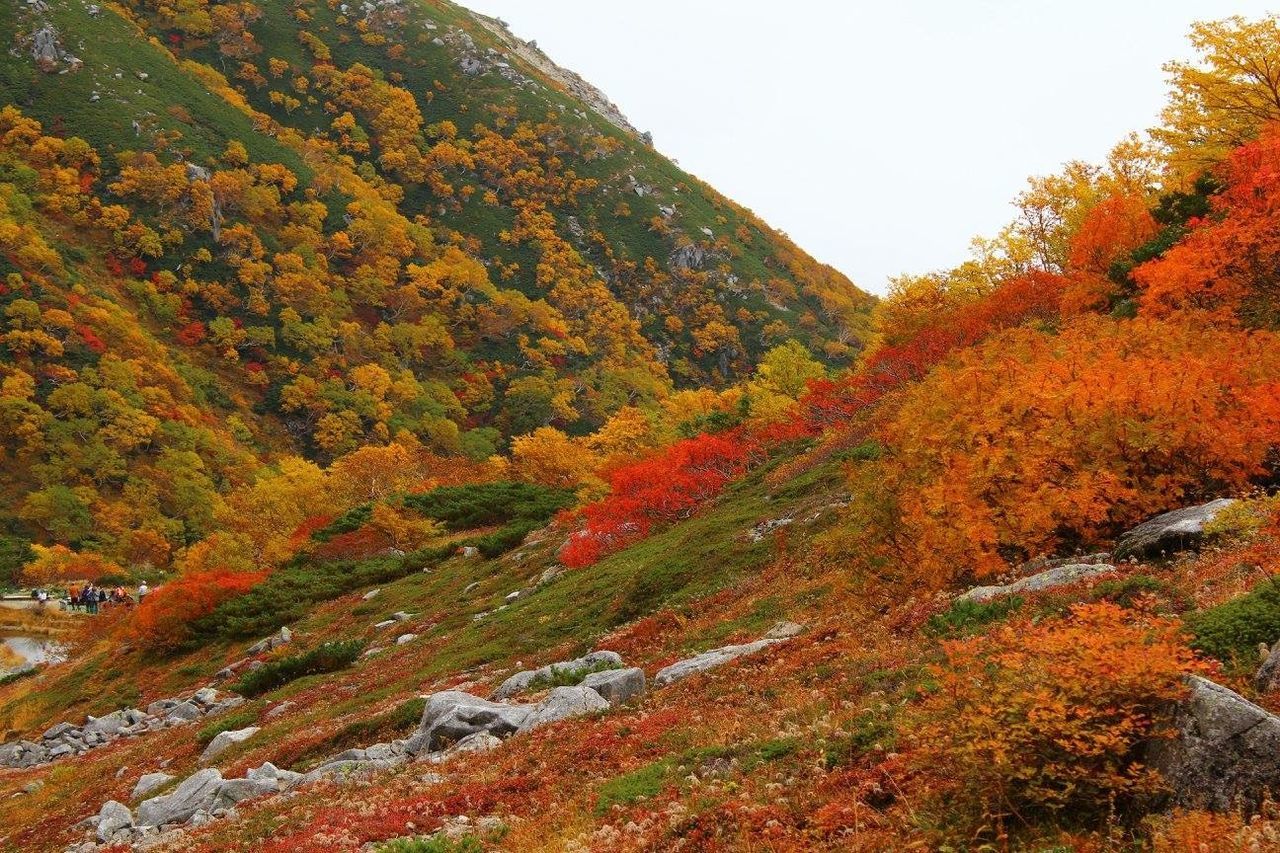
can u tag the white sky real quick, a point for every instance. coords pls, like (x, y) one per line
(881, 136)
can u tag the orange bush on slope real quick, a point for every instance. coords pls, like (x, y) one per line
(161, 621)
(1032, 441)
(1048, 720)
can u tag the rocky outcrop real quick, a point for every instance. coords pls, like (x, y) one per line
(113, 818)
(1049, 579)
(617, 686)
(1171, 532)
(522, 681)
(1226, 754)
(66, 739)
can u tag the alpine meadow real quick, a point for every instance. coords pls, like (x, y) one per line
(399, 454)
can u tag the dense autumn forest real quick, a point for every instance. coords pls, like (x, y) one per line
(370, 331)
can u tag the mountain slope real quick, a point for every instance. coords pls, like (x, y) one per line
(325, 227)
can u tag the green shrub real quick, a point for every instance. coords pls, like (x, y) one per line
(965, 615)
(289, 592)
(327, 657)
(1233, 629)
(484, 504)
(1126, 592)
(351, 520)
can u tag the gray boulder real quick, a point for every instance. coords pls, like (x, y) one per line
(224, 741)
(233, 791)
(195, 793)
(57, 731)
(709, 660)
(563, 703)
(1048, 579)
(107, 726)
(1171, 532)
(617, 685)
(112, 818)
(452, 715)
(521, 681)
(269, 773)
(205, 696)
(471, 744)
(150, 782)
(1226, 754)
(184, 713)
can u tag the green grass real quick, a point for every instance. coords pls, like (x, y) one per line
(231, 722)
(397, 722)
(567, 677)
(965, 616)
(1232, 631)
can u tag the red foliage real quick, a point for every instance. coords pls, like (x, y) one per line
(91, 340)
(162, 621)
(193, 333)
(666, 487)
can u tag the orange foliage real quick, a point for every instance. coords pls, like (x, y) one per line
(1031, 440)
(1049, 719)
(162, 621)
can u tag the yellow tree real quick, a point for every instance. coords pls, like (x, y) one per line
(1220, 100)
(549, 457)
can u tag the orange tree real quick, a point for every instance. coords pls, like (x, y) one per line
(1047, 721)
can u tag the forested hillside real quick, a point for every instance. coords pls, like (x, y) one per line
(493, 508)
(236, 232)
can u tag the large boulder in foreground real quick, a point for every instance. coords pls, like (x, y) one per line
(452, 715)
(617, 685)
(1226, 754)
(197, 792)
(1171, 532)
(563, 703)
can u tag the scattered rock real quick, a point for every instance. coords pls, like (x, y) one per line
(405, 638)
(1171, 532)
(470, 552)
(149, 783)
(478, 742)
(784, 631)
(385, 623)
(279, 709)
(112, 818)
(708, 660)
(761, 531)
(401, 616)
(1055, 577)
(617, 686)
(224, 741)
(283, 637)
(1226, 754)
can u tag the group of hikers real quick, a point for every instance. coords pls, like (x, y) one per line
(91, 597)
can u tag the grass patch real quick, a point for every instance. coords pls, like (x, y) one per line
(485, 504)
(231, 722)
(865, 732)
(568, 676)
(327, 657)
(965, 615)
(1232, 631)
(400, 720)
(642, 784)
(467, 844)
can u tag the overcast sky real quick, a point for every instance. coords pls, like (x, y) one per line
(881, 136)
